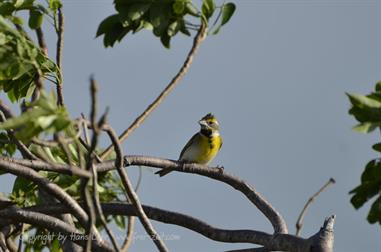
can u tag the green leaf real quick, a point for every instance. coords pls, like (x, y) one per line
(363, 101)
(41, 115)
(173, 28)
(159, 18)
(54, 5)
(227, 12)
(35, 19)
(207, 8)
(107, 24)
(374, 214)
(22, 184)
(6, 9)
(120, 221)
(377, 147)
(378, 86)
(116, 33)
(166, 41)
(179, 7)
(370, 184)
(366, 127)
(192, 10)
(136, 11)
(55, 246)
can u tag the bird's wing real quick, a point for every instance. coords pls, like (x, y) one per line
(220, 144)
(189, 143)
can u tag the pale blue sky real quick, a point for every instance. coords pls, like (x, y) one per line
(275, 77)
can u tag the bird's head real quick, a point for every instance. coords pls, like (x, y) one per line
(209, 123)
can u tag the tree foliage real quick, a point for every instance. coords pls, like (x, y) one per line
(366, 109)
(45, 128)
(165, 18)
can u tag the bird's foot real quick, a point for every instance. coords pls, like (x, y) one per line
(220, 168)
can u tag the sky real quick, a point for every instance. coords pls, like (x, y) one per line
(276, 78)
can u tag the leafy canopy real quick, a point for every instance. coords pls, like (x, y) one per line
(165, 18)
(366, 109)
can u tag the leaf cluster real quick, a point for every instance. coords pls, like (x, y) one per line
(366, 109)
(42, 115)
(166, 18)
(21, 61)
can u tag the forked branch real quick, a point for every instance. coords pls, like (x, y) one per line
(299, 222)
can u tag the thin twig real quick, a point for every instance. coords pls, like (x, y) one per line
(41, 41)
(95, 202)
(131, 193)
(176, 79)
(60, 33)
(63, 145)
(86, 195)
(131, 220)
(85, 130)
(21, 238)
(299, 222)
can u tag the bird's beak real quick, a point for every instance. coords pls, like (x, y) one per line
(203, 123)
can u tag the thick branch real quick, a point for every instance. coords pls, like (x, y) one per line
(282, 242)
(176, 79)
(265, 207)
(274, 217)
(39, 165)
(15, 215)
(48, 186)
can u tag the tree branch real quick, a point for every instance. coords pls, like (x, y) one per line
(60, 32)
(90, 163)
(41, 41)
(48, 186)
(15, 215)
(176, 79)
(133, 197)
(282, 242)
(214, 173)
(39, 165)
(299, 222)
(261, 203)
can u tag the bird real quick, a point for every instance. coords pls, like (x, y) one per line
(203, 147)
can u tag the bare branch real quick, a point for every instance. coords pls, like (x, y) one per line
(258, 200)
(299, 222)
(60, 33)
(176, 79)
(131, 220)
(39, 165)
(133, 197)
(281, 242)
(15, 215)
(48, 186)
(92, 201)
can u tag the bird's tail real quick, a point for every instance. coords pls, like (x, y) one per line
(164, 172)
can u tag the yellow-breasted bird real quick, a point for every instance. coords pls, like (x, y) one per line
(203, 146)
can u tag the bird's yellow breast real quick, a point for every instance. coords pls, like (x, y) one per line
(201, 149)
